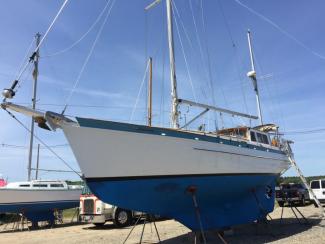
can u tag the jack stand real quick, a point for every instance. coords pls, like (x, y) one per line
(263, 211)
(220, 235)
(20, 224)
(75, 214)
(264, 221)
(58, 215)
(292, 209)
(142, 232)
(192, 190)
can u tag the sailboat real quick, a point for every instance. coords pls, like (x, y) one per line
(205, 180)
(37, 199)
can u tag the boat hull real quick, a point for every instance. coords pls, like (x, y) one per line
(150, 169)
(223, 200)
(37, 205)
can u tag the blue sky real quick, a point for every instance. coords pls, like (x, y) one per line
(289, 64)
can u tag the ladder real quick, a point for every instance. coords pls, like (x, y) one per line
(303, 179)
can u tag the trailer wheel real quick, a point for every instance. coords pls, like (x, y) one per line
(122, 217)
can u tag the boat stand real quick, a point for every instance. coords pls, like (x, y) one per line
(192, 190)
(262, 210)
(293, 208)
(58, 217)
(202, 238)
(143, 227)
(18, 222)
(76, 214)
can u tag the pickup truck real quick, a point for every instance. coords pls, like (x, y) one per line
(292, 193)
(318, 187)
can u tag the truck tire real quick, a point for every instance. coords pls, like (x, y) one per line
(122, 217)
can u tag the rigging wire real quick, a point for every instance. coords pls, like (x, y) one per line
(196, 31)
(25, 57)
(209, 63)
(272, 110)
(31, 59)
(238, 66)
(204, 92)
(184, 55)
(43, 143)
(284, 32)
(183, 26)
(139, 92)
(88, 57)
(82, 37)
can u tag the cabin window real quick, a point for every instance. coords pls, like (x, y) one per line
(40, 185)
(26, 185)
(315, 185)
(253, 138)
(323, 184)
(265, 139)
(262, 138)
(57, 185)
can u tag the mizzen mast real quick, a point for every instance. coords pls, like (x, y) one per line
(252, 75)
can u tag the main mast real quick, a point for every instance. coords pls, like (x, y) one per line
(35, 75)
(174, 110)
(252, 74)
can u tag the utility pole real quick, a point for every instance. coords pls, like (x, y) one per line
(35, 76)
(150, 93)
(252, 75)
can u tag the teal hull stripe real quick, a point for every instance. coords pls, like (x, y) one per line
(119, 126)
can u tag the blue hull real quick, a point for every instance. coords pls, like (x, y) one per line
(38, 211)
(224, 200)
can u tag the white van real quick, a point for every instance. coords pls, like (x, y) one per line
(318, 187)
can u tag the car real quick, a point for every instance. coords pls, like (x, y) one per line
(292, 193)
(318, 187)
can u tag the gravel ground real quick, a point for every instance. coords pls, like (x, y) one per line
(172, 232)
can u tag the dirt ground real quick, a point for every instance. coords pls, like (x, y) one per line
(289, 230)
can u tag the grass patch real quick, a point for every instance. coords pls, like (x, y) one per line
(69, 213)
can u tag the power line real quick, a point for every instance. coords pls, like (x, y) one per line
(25, 147)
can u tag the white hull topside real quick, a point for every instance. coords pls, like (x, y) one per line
(15, 196)
(111, 153)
